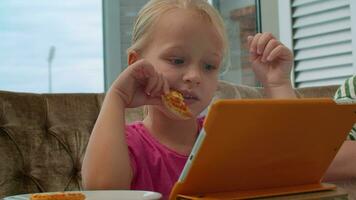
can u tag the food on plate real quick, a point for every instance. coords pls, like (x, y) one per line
(58, 196)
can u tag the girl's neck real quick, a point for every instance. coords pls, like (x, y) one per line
(175, 134)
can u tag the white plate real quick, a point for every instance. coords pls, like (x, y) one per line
(106, 195)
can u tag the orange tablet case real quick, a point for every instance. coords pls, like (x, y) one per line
(259, 148)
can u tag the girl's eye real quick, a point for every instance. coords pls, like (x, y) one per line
(209, 67)
(177, 61)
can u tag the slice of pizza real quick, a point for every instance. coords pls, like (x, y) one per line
(174, 101)
(58, 196)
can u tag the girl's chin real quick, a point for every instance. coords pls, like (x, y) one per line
(174, 116)
(169, 114)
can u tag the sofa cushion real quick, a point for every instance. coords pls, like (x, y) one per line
(43, 140)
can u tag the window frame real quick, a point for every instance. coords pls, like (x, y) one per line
(111, 41)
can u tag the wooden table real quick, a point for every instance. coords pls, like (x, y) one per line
(337, 194)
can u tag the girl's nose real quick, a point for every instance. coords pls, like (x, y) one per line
(192, 76)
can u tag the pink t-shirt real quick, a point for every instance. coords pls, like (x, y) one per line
(155, 166)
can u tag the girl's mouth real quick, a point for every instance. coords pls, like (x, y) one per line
(189, 99)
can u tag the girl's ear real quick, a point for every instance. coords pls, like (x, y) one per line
(133, 57)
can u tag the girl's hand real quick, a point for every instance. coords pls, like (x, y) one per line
(271, 60)
(140, 84)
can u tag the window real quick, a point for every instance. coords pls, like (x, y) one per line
(119, 17)
(320, 32)
(240, 17)
(51, 46)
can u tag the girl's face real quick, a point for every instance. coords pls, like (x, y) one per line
(187, 50)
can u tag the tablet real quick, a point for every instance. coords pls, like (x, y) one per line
(264, 147)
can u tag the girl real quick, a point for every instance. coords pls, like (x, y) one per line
(180, 45)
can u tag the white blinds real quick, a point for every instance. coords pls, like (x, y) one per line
(322, 42)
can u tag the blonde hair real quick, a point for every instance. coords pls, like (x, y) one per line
(149, 14)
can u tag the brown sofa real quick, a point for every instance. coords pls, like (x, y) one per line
(43, 136)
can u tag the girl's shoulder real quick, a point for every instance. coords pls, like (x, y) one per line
(135, 133)
(135, 129)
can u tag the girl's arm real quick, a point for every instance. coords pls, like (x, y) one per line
(343, 166)
(106, 163)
